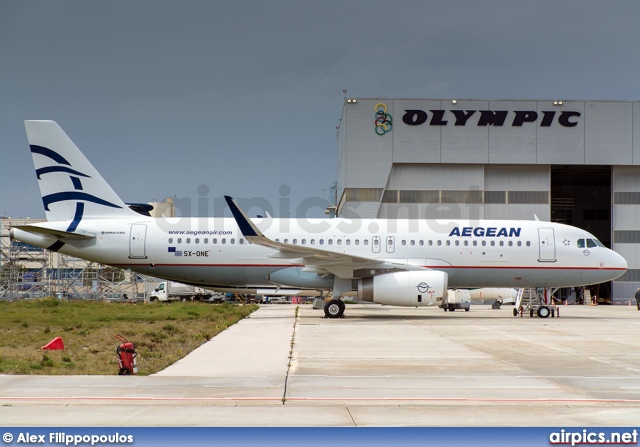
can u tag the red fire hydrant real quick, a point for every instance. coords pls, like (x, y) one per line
(126, 357)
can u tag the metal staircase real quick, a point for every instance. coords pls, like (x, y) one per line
(532, 301)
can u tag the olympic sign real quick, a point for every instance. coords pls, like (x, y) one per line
(383, 121)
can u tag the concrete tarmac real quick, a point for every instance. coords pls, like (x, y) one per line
(378, 366)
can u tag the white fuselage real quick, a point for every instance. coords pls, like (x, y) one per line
(212, 251)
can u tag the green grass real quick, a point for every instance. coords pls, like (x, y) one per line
(161, 334)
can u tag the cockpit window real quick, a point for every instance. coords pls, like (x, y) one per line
(589, 243)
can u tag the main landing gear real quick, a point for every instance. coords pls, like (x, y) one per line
(334, 309)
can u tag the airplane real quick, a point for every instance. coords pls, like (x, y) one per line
(399, 262)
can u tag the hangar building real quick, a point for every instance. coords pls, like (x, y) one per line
(575, 162)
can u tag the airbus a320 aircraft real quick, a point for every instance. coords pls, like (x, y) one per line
(394, 262)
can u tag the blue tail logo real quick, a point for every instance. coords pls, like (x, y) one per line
(78, 195)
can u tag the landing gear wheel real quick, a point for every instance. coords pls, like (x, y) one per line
(334, 309)
(543, 312)
(515, 312)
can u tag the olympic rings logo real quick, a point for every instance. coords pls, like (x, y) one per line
(384, 121)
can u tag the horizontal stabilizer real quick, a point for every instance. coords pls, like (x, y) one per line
(58, 234)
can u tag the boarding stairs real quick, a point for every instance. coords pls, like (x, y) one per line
(532, 301)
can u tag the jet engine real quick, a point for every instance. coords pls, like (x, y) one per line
(410, 288)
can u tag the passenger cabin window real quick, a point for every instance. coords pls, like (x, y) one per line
(366, 242)
(171, 240)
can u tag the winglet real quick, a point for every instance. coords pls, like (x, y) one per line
(248, 229)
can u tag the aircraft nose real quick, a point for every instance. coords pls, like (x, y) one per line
(618, 263)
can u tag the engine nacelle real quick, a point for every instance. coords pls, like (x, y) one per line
(412, 288)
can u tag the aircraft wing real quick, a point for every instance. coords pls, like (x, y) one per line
(314, 259)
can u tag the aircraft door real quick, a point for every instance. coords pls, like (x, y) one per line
(547, 245)
(391, 244)
(137, 241)
(375, 244)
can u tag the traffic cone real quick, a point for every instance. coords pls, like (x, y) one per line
(54, 345)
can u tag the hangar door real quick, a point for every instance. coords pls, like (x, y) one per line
(547, 245)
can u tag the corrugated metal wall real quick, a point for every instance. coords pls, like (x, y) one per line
(626, 218)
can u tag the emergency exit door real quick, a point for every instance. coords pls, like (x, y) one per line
(391, 244)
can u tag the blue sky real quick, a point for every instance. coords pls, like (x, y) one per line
(244, 97)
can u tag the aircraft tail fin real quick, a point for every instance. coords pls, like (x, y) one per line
(71, 188)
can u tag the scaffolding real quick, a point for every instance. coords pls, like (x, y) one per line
(29, 272)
